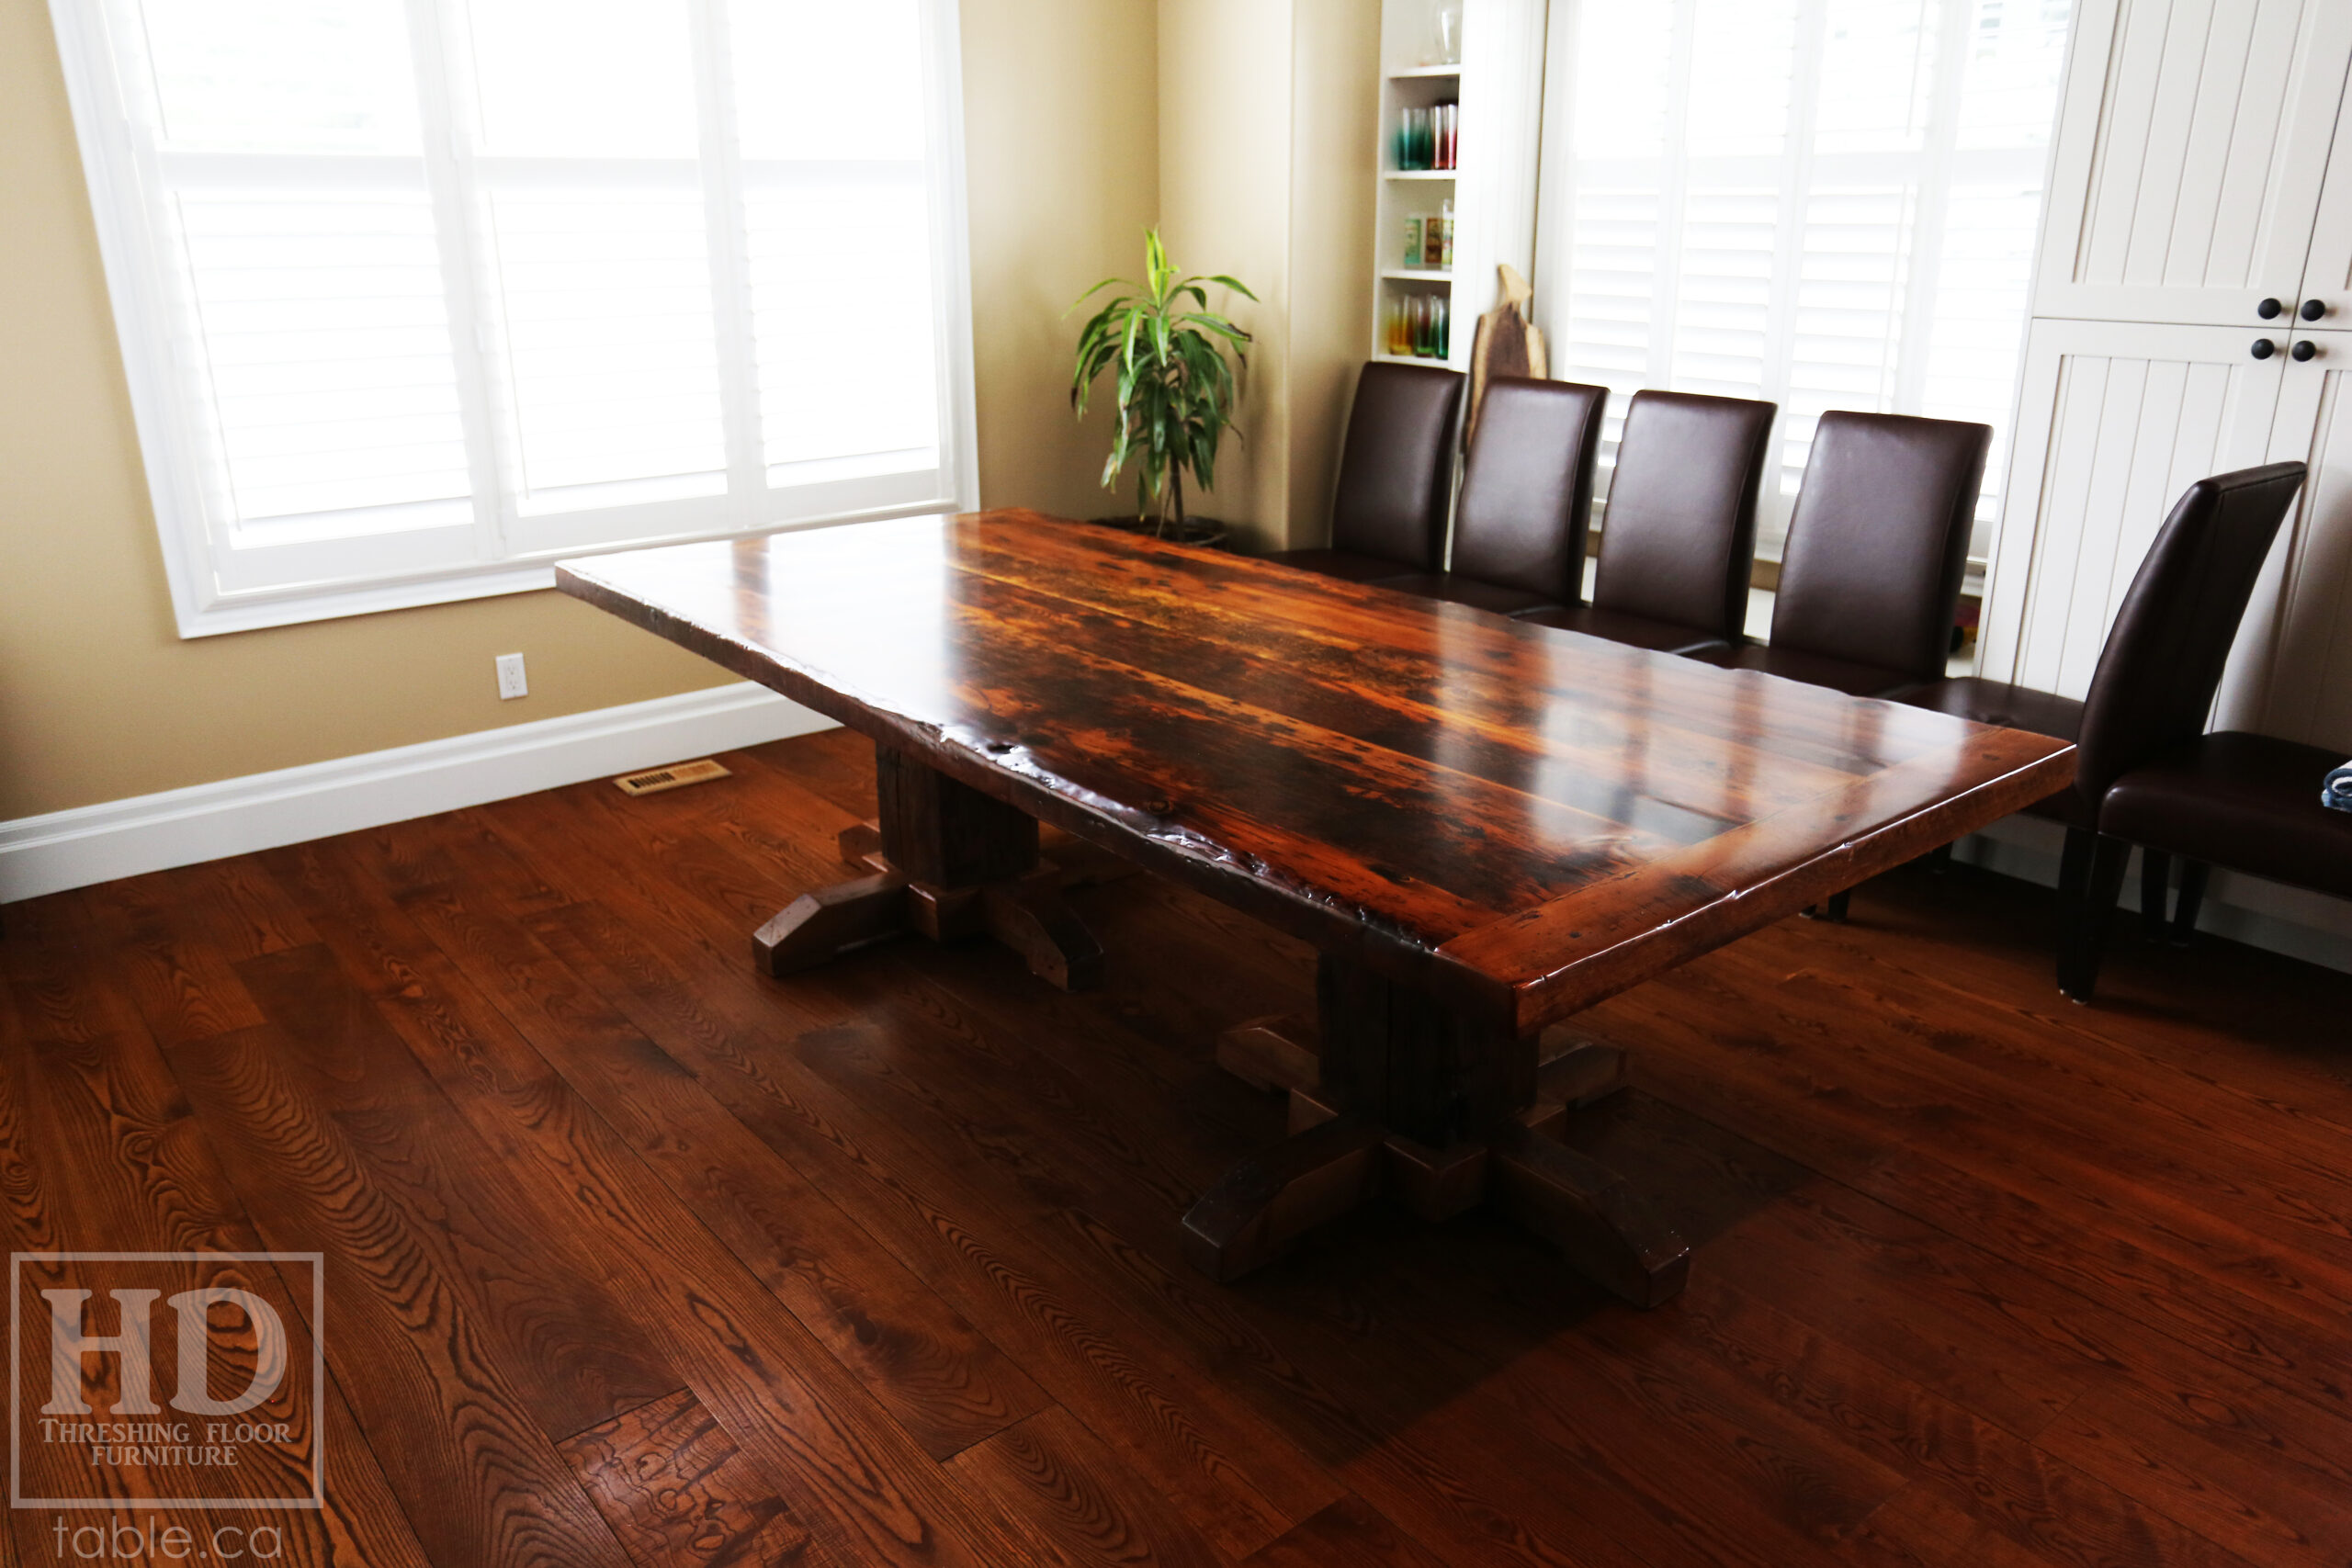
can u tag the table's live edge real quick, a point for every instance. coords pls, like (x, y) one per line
(1505, 971)
(1129, 833)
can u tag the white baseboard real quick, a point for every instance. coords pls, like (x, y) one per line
(260, 811)
(2309, 926)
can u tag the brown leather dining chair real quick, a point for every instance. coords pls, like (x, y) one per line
(1869, 585)
(1525, 511)
(1395, 475)
(1677, 539)
(2153, 686)
(2250, 803)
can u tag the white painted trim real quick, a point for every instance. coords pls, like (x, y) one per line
(2309, 926)
(260, 811)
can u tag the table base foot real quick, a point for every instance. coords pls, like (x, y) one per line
(1331, 1162)
(1030, 917)
(817, 927)
(1606, 1230)
(1263, 1205)
(1026, 913)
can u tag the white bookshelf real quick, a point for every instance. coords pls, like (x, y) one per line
(1498, 81)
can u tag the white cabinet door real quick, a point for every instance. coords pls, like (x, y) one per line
(2190, 150)
(2328, 273)
(2116, 418)
(2290, 673)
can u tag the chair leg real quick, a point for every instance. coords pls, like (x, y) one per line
(2085, 942)
(1939, 859)
(2194, 875)
(1834, 911)
(2156, 883)
(2074, 865)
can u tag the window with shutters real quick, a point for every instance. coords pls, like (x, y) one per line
(1830, 204)
(416, 296)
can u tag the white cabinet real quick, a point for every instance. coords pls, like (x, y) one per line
(2204, 165)
(2116, 418)
(2192, 142)
(2290, 673)
(2327, 272)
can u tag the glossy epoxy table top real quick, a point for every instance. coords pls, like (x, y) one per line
(1523, 821)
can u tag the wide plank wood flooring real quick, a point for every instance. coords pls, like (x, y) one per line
(634, 1258)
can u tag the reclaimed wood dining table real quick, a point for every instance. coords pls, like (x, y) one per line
(1484, 827)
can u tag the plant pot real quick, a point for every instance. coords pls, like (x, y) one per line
(1205, 532)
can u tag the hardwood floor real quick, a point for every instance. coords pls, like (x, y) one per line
(634, 1257)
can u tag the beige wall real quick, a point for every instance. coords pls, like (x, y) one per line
(1224, 84)
(100, 698)
(1269, 114)
(1061, 151)
(1335, 133)
(1244, 126)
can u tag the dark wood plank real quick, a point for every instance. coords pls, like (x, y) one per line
(1022, 1296)
(2234, 1472)
(1349, 1534)
(1076, 1499)
(1978, 1160)
(1920, 1525)
(861, 1485)
(102, 1155)
(481, 1480)
(1000, 651)
(577, 1354)
(1739, 1348)
(941, 1379)
(679, 1491)
(959, 1183)
(159, 929)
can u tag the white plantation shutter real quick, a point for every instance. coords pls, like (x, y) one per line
(1830, 204)
(417, 295)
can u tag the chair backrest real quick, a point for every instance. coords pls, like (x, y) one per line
(1879, 541)
(1397, 468)
(1677, 540)
(2164, 657)
(1526, 505)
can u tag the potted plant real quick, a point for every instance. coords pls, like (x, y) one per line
(1176, 390)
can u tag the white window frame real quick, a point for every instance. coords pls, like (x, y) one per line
(509, 548)
(1936, 166)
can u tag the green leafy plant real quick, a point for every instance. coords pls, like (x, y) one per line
(1175, 390)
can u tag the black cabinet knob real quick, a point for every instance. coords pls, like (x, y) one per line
(2314, 309)
(2268, 310)
(2305, 350)
(2264, 348)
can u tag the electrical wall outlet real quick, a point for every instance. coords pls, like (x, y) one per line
(512, 682)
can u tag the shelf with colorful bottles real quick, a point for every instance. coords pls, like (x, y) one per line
(1418, 324)
(1460, 86)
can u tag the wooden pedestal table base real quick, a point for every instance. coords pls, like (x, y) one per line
(945, 862)
(1395, 1094)
(1385, 778)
